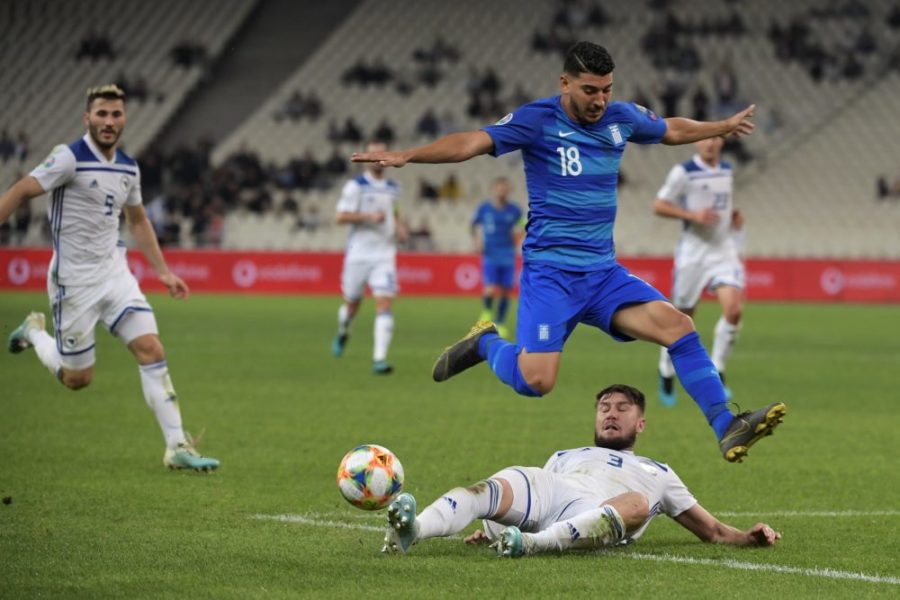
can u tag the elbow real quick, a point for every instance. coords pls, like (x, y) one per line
(662, 208)
(672, 139)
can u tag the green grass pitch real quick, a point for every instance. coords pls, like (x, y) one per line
(94, 514)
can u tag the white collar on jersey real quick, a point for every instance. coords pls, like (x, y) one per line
(96, 151)
(373, 181)
(706, 167)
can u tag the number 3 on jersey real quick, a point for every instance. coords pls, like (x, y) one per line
(569, 160)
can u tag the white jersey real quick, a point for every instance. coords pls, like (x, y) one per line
(694, 186)
(87, 195)
(605, 473)
(370, 241)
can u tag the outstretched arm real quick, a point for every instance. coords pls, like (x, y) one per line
(456, 147)
(25, 189)
(686, 131)
(709, 529)
(142, 231)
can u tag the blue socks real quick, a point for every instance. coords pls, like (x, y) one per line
(700, 379)
(503, 358)
(501, 309)
(488, 301)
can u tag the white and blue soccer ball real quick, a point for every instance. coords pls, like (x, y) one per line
(370, 476)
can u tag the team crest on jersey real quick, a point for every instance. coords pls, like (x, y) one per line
(125, 182)
(616, 135)
(51, 160)
(504, 120)
(651, 470)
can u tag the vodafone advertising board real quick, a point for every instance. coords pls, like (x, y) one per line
(457, 274)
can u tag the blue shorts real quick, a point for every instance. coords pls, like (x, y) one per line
(553, 301)
(499, 274)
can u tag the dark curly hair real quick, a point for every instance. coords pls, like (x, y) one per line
(587, 57)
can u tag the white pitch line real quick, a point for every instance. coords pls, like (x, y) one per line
(312, 520)
(728, 563)
(812, 513)
(317, 522)
(748, 566)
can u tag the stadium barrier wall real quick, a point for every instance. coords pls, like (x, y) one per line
(457, 274)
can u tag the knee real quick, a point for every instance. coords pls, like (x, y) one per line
(682, 324)
(75, 380)
(634, 508)
(542, 383)
(733, 314)
(147, 349)
(640, 505)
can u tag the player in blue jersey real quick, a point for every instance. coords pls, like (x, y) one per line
(92, 183)
(571, 145)
(499, 222)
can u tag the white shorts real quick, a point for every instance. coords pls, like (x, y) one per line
(117, 303)
(542, 498)
(709, 270)
(381, 277)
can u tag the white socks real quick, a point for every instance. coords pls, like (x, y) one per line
(592, 529)
(666, 368)
(45, 348)
(160, 396)
(724, 336)
(384, 331)
(344, 319)
(452, 512)
(723, 341)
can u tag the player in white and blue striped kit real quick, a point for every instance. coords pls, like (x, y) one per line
(571, 145)
(92, 183)
(582, 498)
(699, 192)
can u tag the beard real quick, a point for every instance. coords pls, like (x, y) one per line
(95, 136)
(618, 443)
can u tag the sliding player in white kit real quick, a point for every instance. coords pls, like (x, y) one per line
(92, 184)
(582, 498)
(368, 204)
(699, 192)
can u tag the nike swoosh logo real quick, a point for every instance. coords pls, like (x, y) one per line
(566, 134)
(744, 428)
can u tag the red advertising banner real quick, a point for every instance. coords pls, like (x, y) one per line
(457, 274)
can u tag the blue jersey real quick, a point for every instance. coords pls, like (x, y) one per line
(572, 173)
(497, 226)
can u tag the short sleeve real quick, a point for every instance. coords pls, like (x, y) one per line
(478, 217)
(647, 126)
(516, 130)
(135, 197)
(349, 201)
(57, 169)
(673, 188)
(676, 498)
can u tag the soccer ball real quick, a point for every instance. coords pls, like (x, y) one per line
(370, 476)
